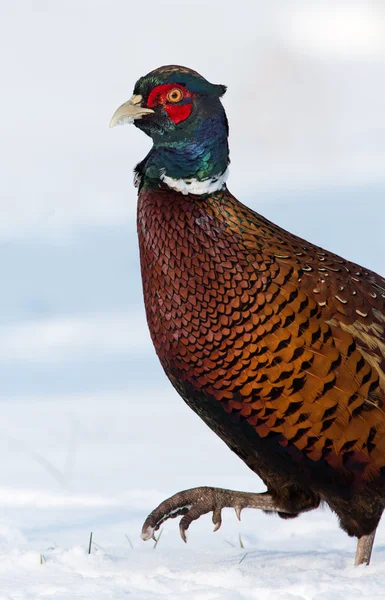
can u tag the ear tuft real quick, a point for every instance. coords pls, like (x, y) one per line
(221, 90)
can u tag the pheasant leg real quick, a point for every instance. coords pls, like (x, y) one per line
(192, 504)
(364, 549)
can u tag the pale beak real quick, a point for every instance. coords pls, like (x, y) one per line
(129, 112)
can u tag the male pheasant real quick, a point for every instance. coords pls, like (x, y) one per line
(278, 345)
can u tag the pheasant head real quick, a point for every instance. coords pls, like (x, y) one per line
(182, 112)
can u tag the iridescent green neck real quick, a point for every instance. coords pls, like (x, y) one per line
(199, 153)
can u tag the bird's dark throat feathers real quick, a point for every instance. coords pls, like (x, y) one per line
(193, 149)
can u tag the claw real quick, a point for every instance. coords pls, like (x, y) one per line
(147, 534)
(182, 532)
(217, 518)
(238, 511)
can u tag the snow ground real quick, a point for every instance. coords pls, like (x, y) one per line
(117, 574)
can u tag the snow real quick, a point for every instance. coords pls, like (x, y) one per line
(119, 574)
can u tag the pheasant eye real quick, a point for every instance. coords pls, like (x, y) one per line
(175, 95)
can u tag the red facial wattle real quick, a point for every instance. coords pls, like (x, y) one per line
(177, 111)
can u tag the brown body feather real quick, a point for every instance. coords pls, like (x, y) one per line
(277, 344)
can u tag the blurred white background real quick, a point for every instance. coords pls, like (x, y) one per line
(91, 432)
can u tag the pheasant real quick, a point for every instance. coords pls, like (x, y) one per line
(277, 344)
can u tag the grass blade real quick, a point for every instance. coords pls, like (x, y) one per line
(243, 558)
(158, 538)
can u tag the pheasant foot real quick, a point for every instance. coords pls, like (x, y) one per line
(192, 504)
